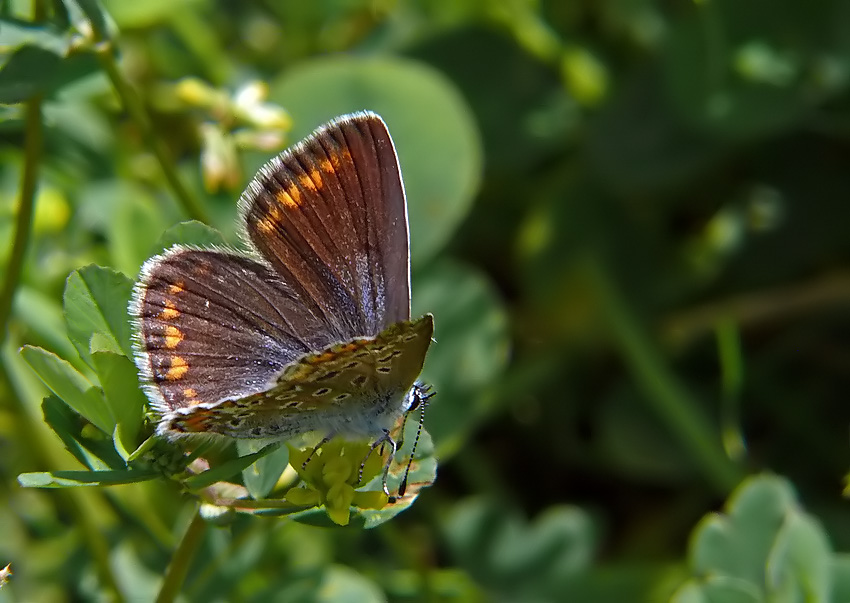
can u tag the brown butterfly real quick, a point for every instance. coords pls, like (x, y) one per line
(308, 329)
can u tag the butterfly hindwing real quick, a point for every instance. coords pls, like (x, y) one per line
(324, 390)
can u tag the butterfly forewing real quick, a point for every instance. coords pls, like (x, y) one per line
(330, 217)
(357, 387)
(213, 325)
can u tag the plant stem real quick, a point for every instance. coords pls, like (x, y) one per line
(732, 378)
(23, 222)
(137, 112)
(179, 566)
(748, 310)
(669, 398)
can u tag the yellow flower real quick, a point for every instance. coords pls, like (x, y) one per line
(307, 497)
(332, 475)
(338, 501)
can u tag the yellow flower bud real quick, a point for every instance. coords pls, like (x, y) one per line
(307, 497)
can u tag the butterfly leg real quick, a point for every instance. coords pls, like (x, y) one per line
(384, 439)
(324, 441)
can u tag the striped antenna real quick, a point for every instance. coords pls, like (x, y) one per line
(423, 394)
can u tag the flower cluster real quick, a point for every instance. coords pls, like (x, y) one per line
(332, 475)
(235, 120)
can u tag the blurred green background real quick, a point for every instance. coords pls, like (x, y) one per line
(630, 218)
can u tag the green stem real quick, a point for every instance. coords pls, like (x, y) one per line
(137, 112)
(668, 398)
(23, 222)
(179, 566)
(732, 378)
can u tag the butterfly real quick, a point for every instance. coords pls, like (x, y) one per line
(306, 330)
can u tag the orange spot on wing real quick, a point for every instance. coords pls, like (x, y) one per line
(343, 155)
(178, 287)
(178, 368)
(326, 166)
(307, 182)
(274, 214)
(190, 392)
(316, 177)
(170, 311)
(287, 199)
(340, 159)
(267, 225)
(270, 218)
(294, 193)
(324, 357)
(173, 336)
(197, 421)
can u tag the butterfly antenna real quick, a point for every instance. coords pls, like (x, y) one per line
(423, 402)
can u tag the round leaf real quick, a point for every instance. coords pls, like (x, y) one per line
(472, 345)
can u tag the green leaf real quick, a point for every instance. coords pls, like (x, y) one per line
(500, 548)
(73, 479)
(260, 478)
(135, 227)
(92, 12)
(126, 401)
(138, 15)
(435, 134)
(65, 423)
(718, 589)
(28, 72)
(471, 349)
(17, 34)
(228, 469)
(44, 316)
(765, 541)
(98, 454)
(738, 543)
(314, 516)
(147, 446)
(841, 577)
(96, 301)
(801, 559)
(342, 584)
(72, 387)
(423, 472)
(190, 233)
